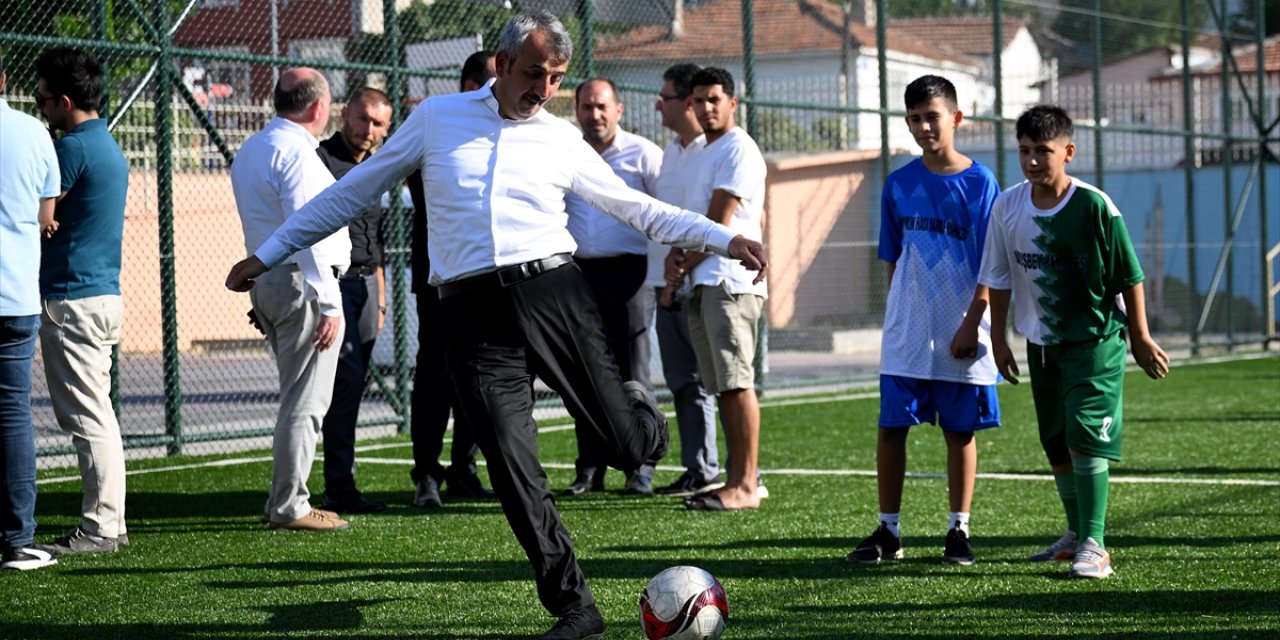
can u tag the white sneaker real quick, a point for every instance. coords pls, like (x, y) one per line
(1063, 549)
(1092, 561)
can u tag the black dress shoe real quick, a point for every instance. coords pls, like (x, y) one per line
(580, 624)
(588, 479)
(356, 504)
(467, 487)
(426, 494)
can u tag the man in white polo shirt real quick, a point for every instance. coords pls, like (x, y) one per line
(614, 259)
(513, 303)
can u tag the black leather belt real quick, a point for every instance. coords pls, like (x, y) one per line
(504, 277)
(361, 270)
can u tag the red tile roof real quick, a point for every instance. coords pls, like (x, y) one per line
(970, 35)
(1247, 58)
(714, 30)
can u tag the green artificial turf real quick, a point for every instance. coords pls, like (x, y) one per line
(1194, 559)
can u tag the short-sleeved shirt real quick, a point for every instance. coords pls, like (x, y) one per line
(1066, 266)
(673, 185)
(732, 163)
(82, 259)
(599, 235)
(932, 227)
(28, 174)
(365, 230)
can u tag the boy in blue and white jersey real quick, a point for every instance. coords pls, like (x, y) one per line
(934, 214)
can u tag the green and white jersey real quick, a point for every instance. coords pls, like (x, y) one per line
(1066, 265)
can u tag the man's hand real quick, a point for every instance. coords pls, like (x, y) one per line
(964, 344)
(673, 267)
(1153, 360)
(243, 273)
(751, 254)
(1005, 362)
(327, 332)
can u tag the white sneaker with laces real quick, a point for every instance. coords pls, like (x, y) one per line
(1092, 561)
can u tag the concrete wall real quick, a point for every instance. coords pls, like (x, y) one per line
(818, 225)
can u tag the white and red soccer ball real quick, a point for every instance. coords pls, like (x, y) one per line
(683, 603)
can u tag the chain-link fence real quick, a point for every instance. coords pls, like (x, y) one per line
(1176, 106)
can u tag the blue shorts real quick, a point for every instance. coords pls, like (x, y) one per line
(954, 406)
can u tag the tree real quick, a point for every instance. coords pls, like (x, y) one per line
(1127, 25)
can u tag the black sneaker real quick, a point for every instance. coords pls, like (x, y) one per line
(957, 549)
(579, 624)
(640, 399)
(880, 545)
(27, 558)
(426, 493)
(687, 485)
(467, 486)
(638, 484)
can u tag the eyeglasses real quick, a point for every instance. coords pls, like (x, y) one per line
(667, 98)
(40, 100)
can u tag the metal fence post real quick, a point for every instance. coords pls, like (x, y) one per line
(587, 18)
(1260, 37)
(882, 66)
(749, 66)
(997, 66)
(1228, 145)
(1189, 164)
(1098, 164)
(164, 197)
(400, 333)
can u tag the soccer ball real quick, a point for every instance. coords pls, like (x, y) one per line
(683, 603)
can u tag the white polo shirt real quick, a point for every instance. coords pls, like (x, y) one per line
(495, 190)
(673, 186)
(732, 163)
(599, 235)
(276, 172)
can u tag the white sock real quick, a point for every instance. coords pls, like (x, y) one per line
(960, 519)
(891, 520)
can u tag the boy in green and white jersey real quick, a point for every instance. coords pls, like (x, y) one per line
(1061, 247)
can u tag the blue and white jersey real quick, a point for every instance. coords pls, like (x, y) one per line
(933, 228)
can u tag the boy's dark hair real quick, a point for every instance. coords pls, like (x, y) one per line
(72, 73)
(475, 69)
(712, 76)
(681, 78)
(300, 96)
(1044, 122)
(577, 93)
(926, 88)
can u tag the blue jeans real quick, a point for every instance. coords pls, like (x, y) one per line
(17, 434)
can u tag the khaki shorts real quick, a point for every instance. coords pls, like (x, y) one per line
(723, 327)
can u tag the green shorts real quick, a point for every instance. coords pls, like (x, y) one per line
(1079, 396)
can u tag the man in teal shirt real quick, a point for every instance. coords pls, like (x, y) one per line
(80, 287)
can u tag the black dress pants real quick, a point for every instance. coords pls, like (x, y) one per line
(434, 398)
(614, 282)
(498, 340)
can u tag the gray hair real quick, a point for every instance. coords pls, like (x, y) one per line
(518, 30)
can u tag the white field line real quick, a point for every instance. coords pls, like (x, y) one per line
(796, 472)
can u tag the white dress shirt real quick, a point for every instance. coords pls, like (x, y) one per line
(673, 188)
(732, 163)
(599, 235)
(276, 172)
(495, 190)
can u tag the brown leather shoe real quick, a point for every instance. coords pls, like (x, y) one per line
(316, 520)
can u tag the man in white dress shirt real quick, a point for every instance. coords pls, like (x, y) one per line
(298, 302)
(614, 258)
(496, 168)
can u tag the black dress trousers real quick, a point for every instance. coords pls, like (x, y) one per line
(499, 338)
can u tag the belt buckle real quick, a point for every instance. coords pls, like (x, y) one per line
(513, 274)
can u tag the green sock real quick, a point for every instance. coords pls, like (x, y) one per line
(1093, 481)
(1067, 492)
